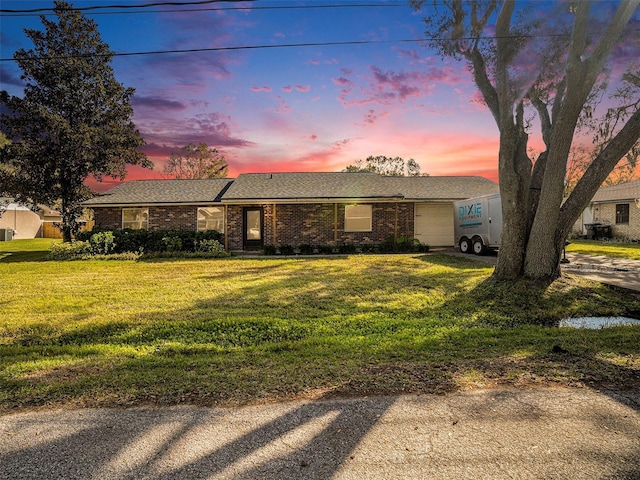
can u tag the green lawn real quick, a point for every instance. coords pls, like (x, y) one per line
(233, 331)
(607, 249)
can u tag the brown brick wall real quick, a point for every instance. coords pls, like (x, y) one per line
(173, 218)
(284, 224)
(314, 224)
(160, 218)
(108, 218)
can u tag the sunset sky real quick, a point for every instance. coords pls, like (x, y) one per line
(295, 108)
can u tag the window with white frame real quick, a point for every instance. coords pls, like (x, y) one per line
(135, 218)
(211, 218)
(357, 218)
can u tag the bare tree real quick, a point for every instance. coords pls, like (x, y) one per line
(196, 161)
(521, 73)
(387, 166)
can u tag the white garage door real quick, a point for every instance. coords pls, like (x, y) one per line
(433, 224)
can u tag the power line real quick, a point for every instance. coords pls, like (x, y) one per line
(223, 9)
(218, 49)
(102, 7)
(283, 45)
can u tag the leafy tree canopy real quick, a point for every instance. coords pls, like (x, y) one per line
(74, 120)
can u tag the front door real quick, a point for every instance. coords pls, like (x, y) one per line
(253, 232)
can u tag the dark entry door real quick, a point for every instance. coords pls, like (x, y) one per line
(253, 232)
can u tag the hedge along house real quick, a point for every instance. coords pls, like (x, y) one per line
(258, 209)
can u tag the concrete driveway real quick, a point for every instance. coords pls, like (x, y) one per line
(620, 272)
(492, 434)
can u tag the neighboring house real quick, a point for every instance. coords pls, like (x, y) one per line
(617, 206)
(27, 223)
(259, 209)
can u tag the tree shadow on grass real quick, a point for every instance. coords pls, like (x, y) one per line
(201, 353)
(22, 256)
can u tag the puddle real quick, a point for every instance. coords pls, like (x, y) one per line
(598, 322)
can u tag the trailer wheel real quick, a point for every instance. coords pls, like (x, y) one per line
(465, 245)
(479, 248)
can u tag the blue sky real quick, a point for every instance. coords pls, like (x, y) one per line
(312, 108)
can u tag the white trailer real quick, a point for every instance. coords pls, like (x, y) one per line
(478, 223)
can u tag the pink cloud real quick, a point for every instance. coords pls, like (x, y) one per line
(156, 103)
(303, 88)
(261, 89)
(390, 85)
(314, 62)
(164, 134)
(411, 55)
(283, 107)
(372, 116)
(341, 81)
(287, 89)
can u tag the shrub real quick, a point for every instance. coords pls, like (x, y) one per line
(368, 248)
(286, 250)
(325, 249)
(347, 248)
(269, 249)
(172, 244)
(213, 247)
(306, 249)
(102, 243)
(69, 251)
(420, 247)
(155, 240)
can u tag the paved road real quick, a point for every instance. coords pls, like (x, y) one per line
(496, 434)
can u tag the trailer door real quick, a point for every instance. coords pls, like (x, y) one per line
(495, 224)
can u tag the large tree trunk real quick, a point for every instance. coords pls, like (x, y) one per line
(514, 171)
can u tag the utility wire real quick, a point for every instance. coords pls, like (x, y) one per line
(102, 7)
(220, 9)
(218, 49)
(281, 45)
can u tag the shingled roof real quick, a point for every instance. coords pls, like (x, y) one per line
(293, 187)
(167, 192)
(319, 186)
(624, 192)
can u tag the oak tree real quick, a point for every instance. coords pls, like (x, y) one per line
(551, 65)
(73, 121)
(387, 166)
(196, 161)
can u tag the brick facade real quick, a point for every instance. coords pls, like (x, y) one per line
(284, 224)
(321, 224)
(182, 217)
(606, 213)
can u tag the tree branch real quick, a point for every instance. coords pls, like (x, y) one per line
(598, 171)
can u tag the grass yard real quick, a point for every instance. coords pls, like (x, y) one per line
(234, 331)
(607, 249)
